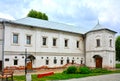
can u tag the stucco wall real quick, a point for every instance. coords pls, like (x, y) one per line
(37, 49)
(106, 51)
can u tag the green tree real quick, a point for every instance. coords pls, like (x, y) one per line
(117, 48)
(37, 14)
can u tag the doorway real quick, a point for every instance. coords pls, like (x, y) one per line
(0, 65)
(98, 61)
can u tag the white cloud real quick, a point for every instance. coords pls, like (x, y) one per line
(6, 16)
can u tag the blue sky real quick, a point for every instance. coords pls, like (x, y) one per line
(82, 13)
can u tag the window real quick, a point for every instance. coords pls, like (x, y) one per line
(7, 59)
(15, 38)
(66, 42)
(47, 62)
(98, 42)
(77, 44)
(28, 39)
(15, 62)
(68, 61)
(55, 60)
(72, 61)
(44, 41)
(54, 41)
(110, 42)
(61, 62)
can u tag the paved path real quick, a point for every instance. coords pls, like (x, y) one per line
(109, 77)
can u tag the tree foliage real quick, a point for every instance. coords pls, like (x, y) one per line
(117, 48)
(37, 14)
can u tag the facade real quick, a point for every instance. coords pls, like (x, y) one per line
(54, 44)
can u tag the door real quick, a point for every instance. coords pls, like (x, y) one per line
(29, 65)
(98, 62)
(0, 65)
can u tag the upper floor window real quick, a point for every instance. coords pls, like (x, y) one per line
(77, 44)
(98, 42)
(28, 39)
(44, 41)
(54, 42)
(66, 42)
(15, 38)
(110, 42)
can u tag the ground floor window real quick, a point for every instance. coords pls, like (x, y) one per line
(6, 59)
(61, 62)
(72, 61)
(55, 61)
(15, 62)
(68, 61)
(47, 62)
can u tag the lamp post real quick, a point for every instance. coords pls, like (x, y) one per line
(25, 62)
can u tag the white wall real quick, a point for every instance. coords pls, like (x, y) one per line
(105, 51)
(36, 48)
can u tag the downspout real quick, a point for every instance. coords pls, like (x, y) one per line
(3, 44)
(84, 38)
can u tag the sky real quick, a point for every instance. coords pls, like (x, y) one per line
(84, 14)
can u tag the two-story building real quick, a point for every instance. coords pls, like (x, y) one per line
(55, 44)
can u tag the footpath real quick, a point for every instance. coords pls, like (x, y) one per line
(109, 77)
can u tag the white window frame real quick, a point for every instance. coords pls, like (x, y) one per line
(13, 43)
(46, 41)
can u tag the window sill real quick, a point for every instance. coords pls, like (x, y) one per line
(54, 47)
(28, 45)
(44, 46)
(15, 44)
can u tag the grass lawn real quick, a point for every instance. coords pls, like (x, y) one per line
(61, 76)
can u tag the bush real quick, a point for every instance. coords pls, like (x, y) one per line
(117, 65)
(70, 70)
(84, 70)
(100, 70)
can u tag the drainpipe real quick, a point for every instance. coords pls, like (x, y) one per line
(84, 38)
(3, 44)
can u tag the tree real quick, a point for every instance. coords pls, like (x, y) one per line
(117, 48)
(37, 14)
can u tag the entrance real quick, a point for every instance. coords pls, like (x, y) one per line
(29, 65)
(98, 60)
(30, 60)
(0, 65)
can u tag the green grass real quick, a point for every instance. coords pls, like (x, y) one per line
(117, 65)
(61, 76)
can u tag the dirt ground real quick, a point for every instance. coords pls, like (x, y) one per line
(22, 72)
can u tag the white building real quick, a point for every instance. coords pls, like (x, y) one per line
(54, 44)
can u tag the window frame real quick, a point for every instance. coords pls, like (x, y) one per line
(66, 43)
(110, 42)
(54, 43)
(15, 61)
(44, 43)
(28, 40)
(77, 44)
(98, 44)
(14, 40)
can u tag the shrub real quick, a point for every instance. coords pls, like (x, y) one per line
(84, 70)
(100, 70)
(117, 65)
(70, 70)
